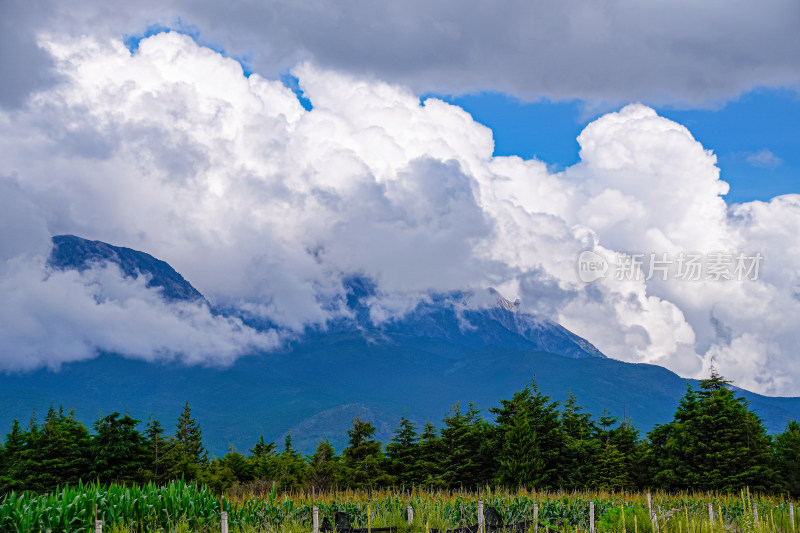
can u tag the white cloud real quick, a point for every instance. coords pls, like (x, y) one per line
(763, 159)
(262, 204)
(53, 317)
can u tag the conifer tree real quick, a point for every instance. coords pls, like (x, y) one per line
(261, 448)
(56, 452)
(611, 471)
(10, 476)
(264, 461)
(530, 439)
(672, 467)
(714, 443)
(626, 439)
(521, 460)
(362, 460)
(155, 445)
(581, 445)
(291, 467)
(787, 458)
(185, 452)
(218, 476)
(402, 454)
(239, 466)
(462, 437)
(323, 467)
(118, 450)
(429, 463)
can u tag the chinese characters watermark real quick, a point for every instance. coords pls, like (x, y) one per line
(682, 266)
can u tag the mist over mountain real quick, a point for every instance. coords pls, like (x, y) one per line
(456, 347)
(71, 252)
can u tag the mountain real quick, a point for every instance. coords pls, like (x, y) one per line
(316, 387)
(451, 318)
(420, 365)
(74, 253)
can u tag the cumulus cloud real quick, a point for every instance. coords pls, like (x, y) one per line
(269, 207)
(661, 51)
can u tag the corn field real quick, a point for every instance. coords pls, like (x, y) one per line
(181, 507)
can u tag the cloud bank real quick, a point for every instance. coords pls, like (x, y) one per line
(660, 51)
(263, 205)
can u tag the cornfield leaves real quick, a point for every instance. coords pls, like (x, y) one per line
(178, 506)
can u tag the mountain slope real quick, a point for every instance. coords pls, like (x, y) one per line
(71, 252)
(453, 318)
(315, 388)
(442, 352)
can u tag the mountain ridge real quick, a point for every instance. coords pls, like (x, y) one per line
(419, 365)
(70, 252)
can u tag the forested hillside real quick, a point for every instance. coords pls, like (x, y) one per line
(714, 442)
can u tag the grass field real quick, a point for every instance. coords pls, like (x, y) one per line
(183, 507)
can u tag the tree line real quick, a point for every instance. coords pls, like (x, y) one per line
(714, 442)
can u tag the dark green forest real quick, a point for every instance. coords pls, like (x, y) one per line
(714, 442)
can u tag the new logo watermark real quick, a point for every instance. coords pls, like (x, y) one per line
(681, 266)
(591, 266)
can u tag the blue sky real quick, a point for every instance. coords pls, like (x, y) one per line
(737, 132)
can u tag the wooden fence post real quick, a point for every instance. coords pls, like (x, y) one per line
(315, 519)
(711, 513)
(755, 513)
(410, 511)
(791, 514)
(98, 526)
(536, 518)
(223, 517)
(481, 519)
(591, 517)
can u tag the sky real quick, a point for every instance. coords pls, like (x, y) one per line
(628, 169)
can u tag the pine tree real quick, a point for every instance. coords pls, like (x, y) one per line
(581, 445)
(402, 454)
(56, 453)
(155, 445)
(261, 448)
(673, 467)
(787, 458)
(714, 443)
(429, 463)
(117, 449)
(611, 471)
(240, 467)
(607, 421)
(264, 461)
(521, 460)
(11, 474)
(362, 460)
(625, 439)
(185, 453)
(463, 436)
(530, 439)
(218, 476)
(291, 467)
(323, 467)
